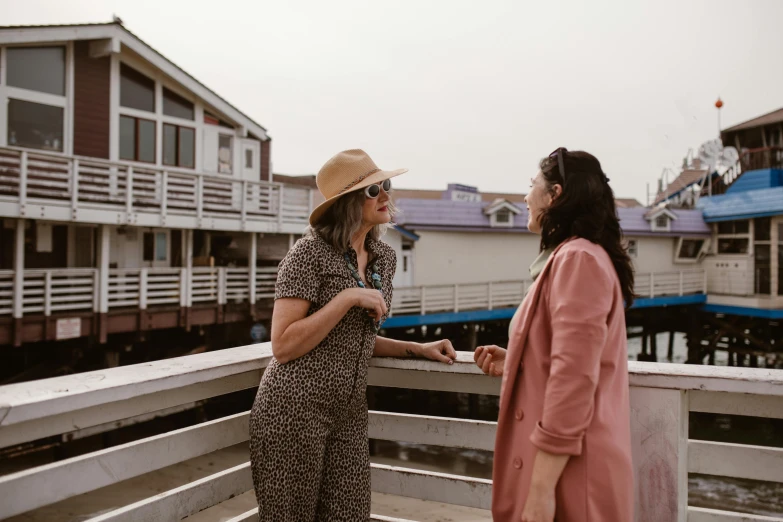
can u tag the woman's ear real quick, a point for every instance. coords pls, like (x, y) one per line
(557, 189)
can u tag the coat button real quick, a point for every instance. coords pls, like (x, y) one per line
(519, 415)
(518, 463)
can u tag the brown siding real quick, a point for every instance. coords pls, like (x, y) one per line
(266, 150)
(92, 84)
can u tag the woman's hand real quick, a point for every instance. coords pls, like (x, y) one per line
(540, 505)
(490, 359)
(369, 299)
(441, 351)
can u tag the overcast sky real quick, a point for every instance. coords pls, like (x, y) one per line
(472, 92)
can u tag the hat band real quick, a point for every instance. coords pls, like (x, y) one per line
(358, 180)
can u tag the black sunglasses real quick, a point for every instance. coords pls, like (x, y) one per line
(558, 155)
(373, 191)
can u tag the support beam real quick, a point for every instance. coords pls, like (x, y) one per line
(252, 256)
(18, 299)
(104, 246)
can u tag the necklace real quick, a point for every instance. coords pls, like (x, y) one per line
(374, 277)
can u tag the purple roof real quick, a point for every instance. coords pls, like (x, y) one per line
(441, 214)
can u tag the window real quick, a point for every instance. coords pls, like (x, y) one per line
(689, 249)
(136, 90)
(248, 159)
(155, 246)
(733, 245)
(734, 227)
(35, 125)
(176, 106)
(633, 248)
(761, 229)
(780, 259)
(137, 139)
(503, 216)
(225, 152)
(179, 146)
(39, 69)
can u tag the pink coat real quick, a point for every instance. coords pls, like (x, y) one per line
(565, 391)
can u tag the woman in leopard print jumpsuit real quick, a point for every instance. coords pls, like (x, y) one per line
(308, 426)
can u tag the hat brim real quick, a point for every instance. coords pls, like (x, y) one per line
(373, 179)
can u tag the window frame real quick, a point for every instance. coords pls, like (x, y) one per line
(136, 159)
(65, 102)
(747, 236)
(177, 146)
(633, 251)
(699, 254)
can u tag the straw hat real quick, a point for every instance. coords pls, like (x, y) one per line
(347, 171)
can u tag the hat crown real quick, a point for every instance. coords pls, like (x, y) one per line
(343, 171)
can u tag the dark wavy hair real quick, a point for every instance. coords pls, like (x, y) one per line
(586, 208)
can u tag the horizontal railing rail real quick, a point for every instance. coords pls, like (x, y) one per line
(86, 188)
(662, 395)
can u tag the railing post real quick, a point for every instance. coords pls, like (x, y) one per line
(129, 194)
(164, 190)
(103, 267)
(280, 196)
(489, 295)
(681, 285)
(187, 290)
(704, 283)
(74, 188)
(143, 278)
(251, 261)
(222, 279)
(243, 204)
(18, 305)
(22, 182)
(96, 290)
(456, 298)
(652, 284)
(48, 293)
(199, 199)
(423, 300)
(183, 287)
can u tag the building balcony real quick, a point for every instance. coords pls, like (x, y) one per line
(662, 396)
(57, 187)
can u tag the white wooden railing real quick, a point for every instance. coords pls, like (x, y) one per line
(51, 291)
(662, 395)
(76, 289)
(73, 188)
(431, 299)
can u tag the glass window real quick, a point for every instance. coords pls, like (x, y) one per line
(137, 139)
(35, 125)
(179, 146)
(136, 90)
(763, 257)
(149, 246)
(39, 69)
(127, 138)
(187, 147)
(662, 221)
(169, 144)
(633, 248)
(503, 216)
(734, 227)
(224, 154)
(177, 106)
(690, 248)
(146, 141)
(780, 259)
(761, 228)
(732, 245)
(160, 246)
(248, 158)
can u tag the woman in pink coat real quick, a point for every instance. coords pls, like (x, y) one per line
(563, 447)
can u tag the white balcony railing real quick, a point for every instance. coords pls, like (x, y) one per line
(60, 290)
(73, 188)
(662, 395)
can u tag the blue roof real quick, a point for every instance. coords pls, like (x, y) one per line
(743, 204)
(757, 180)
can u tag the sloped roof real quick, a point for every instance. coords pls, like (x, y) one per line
(501, 203)
(765, 119)
(439, 214)
(400, 193)
(743, 205)
(686, 179)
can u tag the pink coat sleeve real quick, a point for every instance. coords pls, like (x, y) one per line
(580, 299)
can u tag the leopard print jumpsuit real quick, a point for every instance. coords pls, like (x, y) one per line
(308, 427)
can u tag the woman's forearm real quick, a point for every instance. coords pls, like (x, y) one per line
(385, 347)
(547, 468)
(305, 334)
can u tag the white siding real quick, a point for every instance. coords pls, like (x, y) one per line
(394, 239)
(656, 254)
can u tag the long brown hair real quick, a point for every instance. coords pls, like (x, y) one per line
(343, 219)
(586, 209)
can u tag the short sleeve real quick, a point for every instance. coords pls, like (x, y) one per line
(299, 272)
